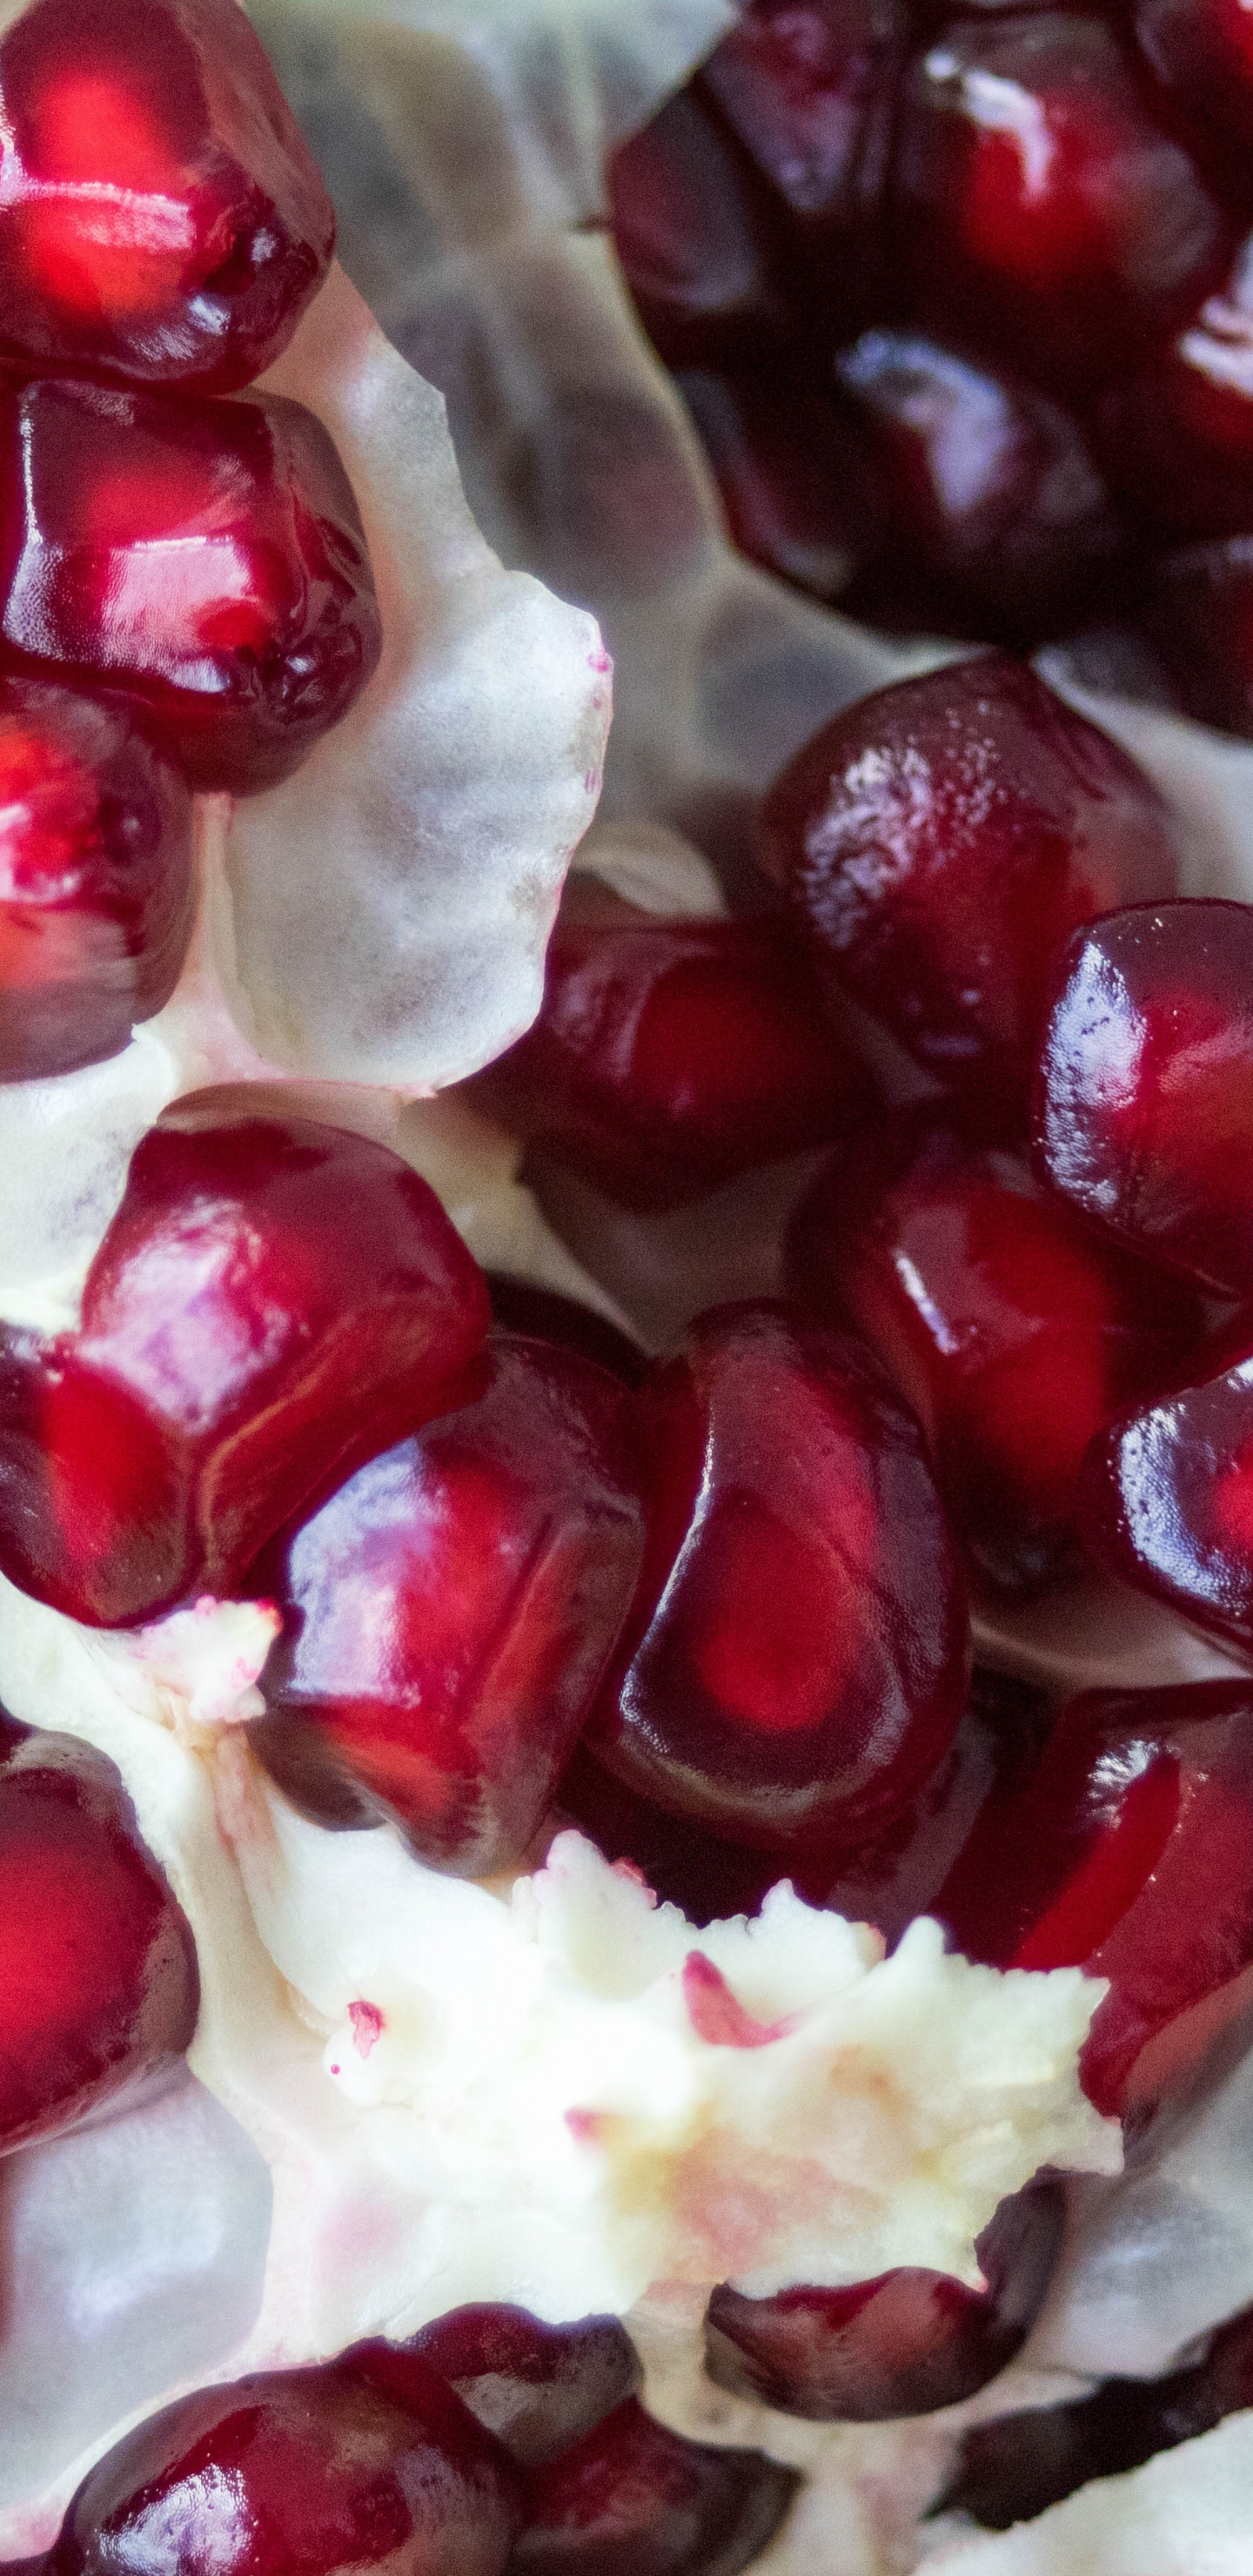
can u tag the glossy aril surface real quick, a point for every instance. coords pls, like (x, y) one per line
(1129, 1854)
(1200, 616)
(298, 2473)
(807, 86)
(206, 559)
(795, 1661)
(273, 1299)
(1015, 2467)
(1041, 207)
(634, 2499)
(96, 880)
(1168, 1495)
(448, 1613)
(693, 233)
(670, 1055)
(538, 2388)
(940, 841)
(790, 473)
(163, 219)
(904, 2344)
(1144, 1105)
(100, 1989)
(1177, 438)
(1010, 1328)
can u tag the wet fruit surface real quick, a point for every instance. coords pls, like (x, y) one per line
(163, 219)
(1127, 1854)
(670, 1055)
(940, 841)
(1167, 1497)
(634, 2499)
(904, 2344)
(100, 1990)
(538, 2388)
(692, 233)
(272, 1298)
(448, 1614)
(795, 1661)
(1013, 1332)
(207, 559)
(96, 887)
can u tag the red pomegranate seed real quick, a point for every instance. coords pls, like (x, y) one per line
(669, 1056)
(693, 233)
(1041, 207)
(545, 1315)
(796, 1659)
(1015, 2467)
(793, 482)
(299, 2473)
(984, 488)
(1200, 616)
(272, 1299)
(1129, 1854)
(449, 1612)
(1144, 1112)
(904, 2344)
(1167, 1496)
(538, 2388)
(163, 219)
(1010, 1328)
(1177, 440)
(1202, 53)
(683, 1863)
(940, 841)
(206, 558)
(96, 887)
(807, 85)
(634, 2499)
(100, 1989)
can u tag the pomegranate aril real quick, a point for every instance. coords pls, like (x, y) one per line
(1144, 1110)
(207, 559)
(97, 892)
(1177, 439)
(538, 2388)
(1168, 1495)
(634, 2499)
(796, 1657)
(1041, 209)
(992, 516)
(545, 1315)
(1201, 53)
(904, 2344)
(940, 841)
(164, 221)
(449, 1611)
(299, 2473)
(791, 476)
(100, 1990)
(694, 234)
(1200, 616)
(670, 1055)
(1129, 1854)
(1017, 2466)
(808, 86)
(682, 1863)
(1014, 1333)
(273, 1300)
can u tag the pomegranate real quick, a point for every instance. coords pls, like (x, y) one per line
(538, 2388)
(692, 233)
(634, 2499)
(1168, 1489)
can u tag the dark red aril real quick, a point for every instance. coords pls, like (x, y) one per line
(1177, 439)
(100, 1990)
(670, 1055)
(1202, 53)
(1168, 1494)
(539, 2388)
(1144, 1108)
(1014, 2468)
(1199, 612)
(634, 2499)
(682, 1862)
(1014, 1333)
(693, 232)
(273, 1299)
(207, 559)
(164, 221)
(904, 2344)
(795, 1661)
(1041, 208)
(992, 517)
(808, 85)
(940, 841)
(790, 473)
(299, 2473)
(448, 1614)
(1128, 1854)
(97, 892)
(546, 1315)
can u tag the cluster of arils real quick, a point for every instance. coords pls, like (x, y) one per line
(961, 298)
(186, 599)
